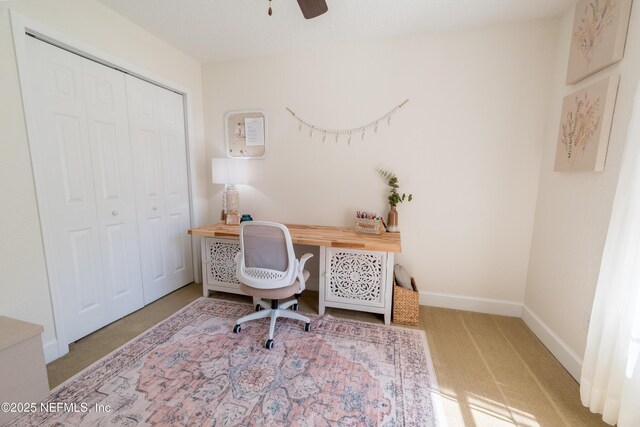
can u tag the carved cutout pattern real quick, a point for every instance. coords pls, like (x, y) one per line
(356, 276)
(222, 266)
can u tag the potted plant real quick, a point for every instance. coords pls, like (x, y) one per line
(394, 198)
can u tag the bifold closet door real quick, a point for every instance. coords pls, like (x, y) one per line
(84, 179)
(156, 120)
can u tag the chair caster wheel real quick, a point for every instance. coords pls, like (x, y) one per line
(237, 329)
(269, 344)
(307, 327)
(294, 307)
(259, 307)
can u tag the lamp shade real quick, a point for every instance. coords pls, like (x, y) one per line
(229, 171)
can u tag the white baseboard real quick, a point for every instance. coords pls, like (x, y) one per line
(567, 357)
(51, 351)
(481, 305)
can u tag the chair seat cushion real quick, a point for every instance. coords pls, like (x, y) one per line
(278, 293)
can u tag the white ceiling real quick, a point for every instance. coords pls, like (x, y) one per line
(220, 30)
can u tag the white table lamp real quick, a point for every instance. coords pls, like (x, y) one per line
(229, 172)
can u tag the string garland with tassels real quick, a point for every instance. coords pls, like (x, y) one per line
(350, 132)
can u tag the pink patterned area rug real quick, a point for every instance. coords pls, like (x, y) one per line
(192, 370)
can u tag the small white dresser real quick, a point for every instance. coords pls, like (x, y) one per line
(23, 376)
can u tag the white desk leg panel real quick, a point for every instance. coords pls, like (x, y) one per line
(388, 288)
(356, 280)
(205, 266)
(322, 280)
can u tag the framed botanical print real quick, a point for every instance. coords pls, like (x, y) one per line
(585, 126)
(598, 37)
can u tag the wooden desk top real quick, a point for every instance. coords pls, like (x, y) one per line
(317, 235)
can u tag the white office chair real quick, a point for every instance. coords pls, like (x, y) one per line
(267, 268)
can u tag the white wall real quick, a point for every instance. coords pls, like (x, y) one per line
(24, 289)
(573, 212)
(467, 145)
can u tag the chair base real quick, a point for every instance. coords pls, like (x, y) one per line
(274, 310)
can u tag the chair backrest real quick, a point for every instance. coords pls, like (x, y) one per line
(267, 259)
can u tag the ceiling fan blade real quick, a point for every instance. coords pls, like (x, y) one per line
(312, 8)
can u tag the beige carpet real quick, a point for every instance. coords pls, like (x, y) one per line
(492, 371)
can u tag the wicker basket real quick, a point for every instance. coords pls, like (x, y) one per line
(369, 226)
(405, 304)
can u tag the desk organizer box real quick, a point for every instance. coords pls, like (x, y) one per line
(369, 226)
(406, 306)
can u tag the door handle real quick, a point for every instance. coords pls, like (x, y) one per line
(155, 208)
(114, 212)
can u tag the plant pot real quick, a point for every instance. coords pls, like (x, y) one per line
(392, 220)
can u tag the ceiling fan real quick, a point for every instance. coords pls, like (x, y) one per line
(310, 8)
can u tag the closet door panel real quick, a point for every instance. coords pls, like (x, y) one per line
(172, 134)
(152, 165)
(108, 125)
(159, 151)
(156, 231)
(148, 174)
(175, 226)
(123, 273)
(64, 178)
(85, 265)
